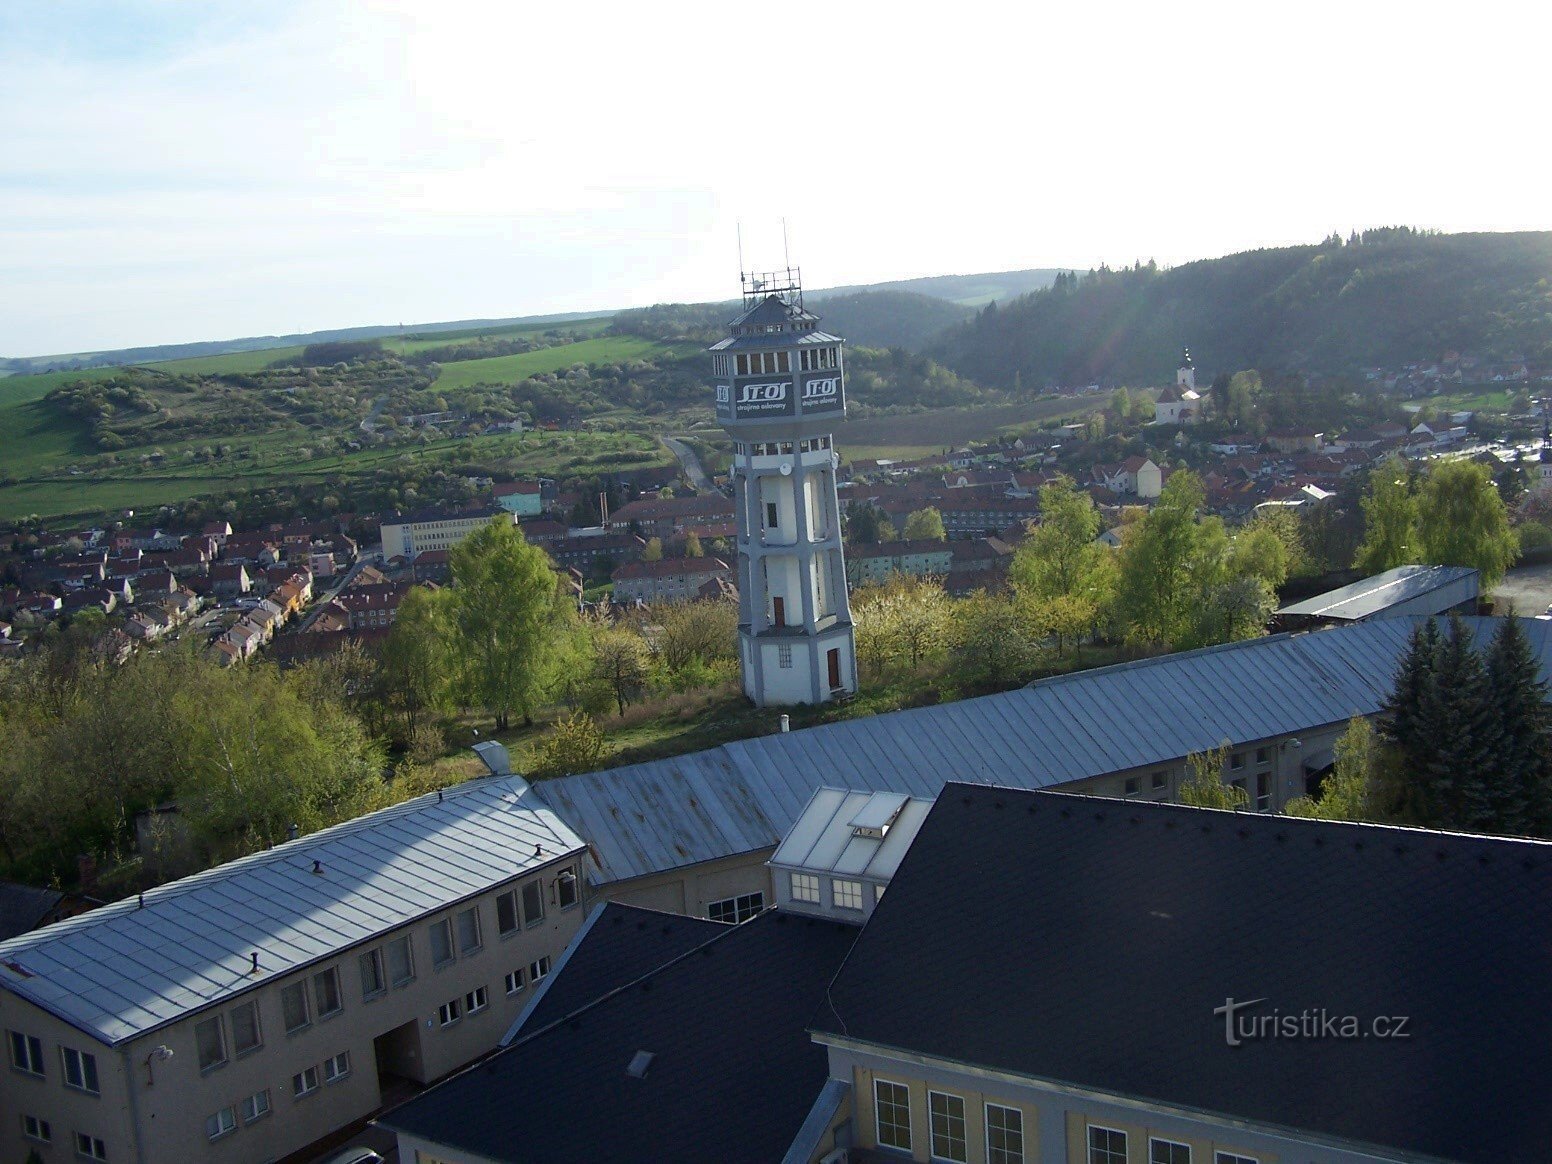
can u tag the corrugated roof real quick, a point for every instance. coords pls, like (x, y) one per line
(743, 796)
(123, 970)
(1370, 596)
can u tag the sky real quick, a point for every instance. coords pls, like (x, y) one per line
(174, 171)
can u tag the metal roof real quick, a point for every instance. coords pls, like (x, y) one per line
(825, 836)
(744, 796)
(1370, 596)
(126, 969)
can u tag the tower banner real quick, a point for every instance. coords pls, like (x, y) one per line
(762, 400)
(822, 394)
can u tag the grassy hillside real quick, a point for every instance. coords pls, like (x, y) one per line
(966, 290)
(1390, 297)
(510, 369)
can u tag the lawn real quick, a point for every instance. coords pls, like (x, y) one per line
(612, 349)
(423, 341)
(1469, 399)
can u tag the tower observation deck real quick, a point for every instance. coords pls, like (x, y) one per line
(780, 391)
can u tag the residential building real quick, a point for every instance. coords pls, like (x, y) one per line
(874, 563)
(663, 517)
(667, 579)
(1312, 991)
(1295, 440)
(245, 1012)
(407, 535)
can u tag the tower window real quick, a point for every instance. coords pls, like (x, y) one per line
(770, 515)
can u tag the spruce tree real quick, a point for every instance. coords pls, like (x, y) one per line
(1519, 700)
(1404, 721)
(1463, 765)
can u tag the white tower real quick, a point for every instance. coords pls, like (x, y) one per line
(1185, 375)
(780, 391)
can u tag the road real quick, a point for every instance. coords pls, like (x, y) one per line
(343, 581)
(691, 464)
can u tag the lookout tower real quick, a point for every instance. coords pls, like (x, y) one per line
(780, 392)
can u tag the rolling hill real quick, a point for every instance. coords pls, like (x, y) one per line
(1382, 298)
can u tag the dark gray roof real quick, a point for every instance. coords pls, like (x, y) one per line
(733, 1072)
(22, 907)
(782, 339)
(1106, 932)
(744, 796)
(772, 309)
(1370, 596)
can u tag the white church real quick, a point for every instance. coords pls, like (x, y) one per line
(1180, 404)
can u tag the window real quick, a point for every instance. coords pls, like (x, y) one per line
(450, 1012)
(784, 655)
(1237, 761)
(1168, 1152)
(80, 1070)
(90, 1147)
(372, 981)
(1240, 784)
(892, 1113)
(1233, 1158)
(1131, 786)
(1107, 1146)
(566, 888)
(26, 1053)
(35, 1129)
(1263, 755)
(304, 1082)
(506, 913)
(442, 942)
(533, 904)
(514, 981)
(805, 887)
(256, 1106)
(538, 969)
(293, 1006)
(401, 962)
(1263, 792)
(946, 1122)
(211, 1041)
(1160, 780)
(476, 1000)
(223, 1123)
(770, 515)
(469, 931)
(847, 894)
(336, 1068)
(736, 909)
(1004, 1135)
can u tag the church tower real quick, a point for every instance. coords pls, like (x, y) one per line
(780, 392)
(1185, 375)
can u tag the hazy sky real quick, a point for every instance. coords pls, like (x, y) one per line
(175, 171)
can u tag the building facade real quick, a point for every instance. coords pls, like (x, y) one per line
(780, 391)
(247, 1012)
(409, 535)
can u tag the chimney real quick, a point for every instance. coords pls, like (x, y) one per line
(786, 723)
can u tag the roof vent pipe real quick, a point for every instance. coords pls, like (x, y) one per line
(254, 969)
(317, 866)
(786, 723)
(291, 833)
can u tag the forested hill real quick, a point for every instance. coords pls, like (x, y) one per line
(866, 319)
(1382, 298)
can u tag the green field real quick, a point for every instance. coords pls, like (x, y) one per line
(424, 341)
(612, 349)
(1467, 399)
(231, 362)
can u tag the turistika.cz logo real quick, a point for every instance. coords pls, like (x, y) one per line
(1241, 1024)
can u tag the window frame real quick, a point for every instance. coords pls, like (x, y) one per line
(90, 1147)
(855, 896)
(1155, 1142)
(449, 1013)
(373, 958)
(296, 990)
(948, 1137)
(248, 1101)
(1003, 1155)
(509, 901)
(35, 1066)
(536, 916)
(442, 926)
(514, 982)
(223, 1129)
(87, 1066)
(332, 1071)
(476, 1000)
(408, 946)
(1160, 780)
(472, 914)
(1090, 1148)
(878, 1114)
(221, 1044)
(539, 969)
(37, 1129)
(303, 1076)
(793, 887)
(571, 885)
(741, 907)
(1224, 1157)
